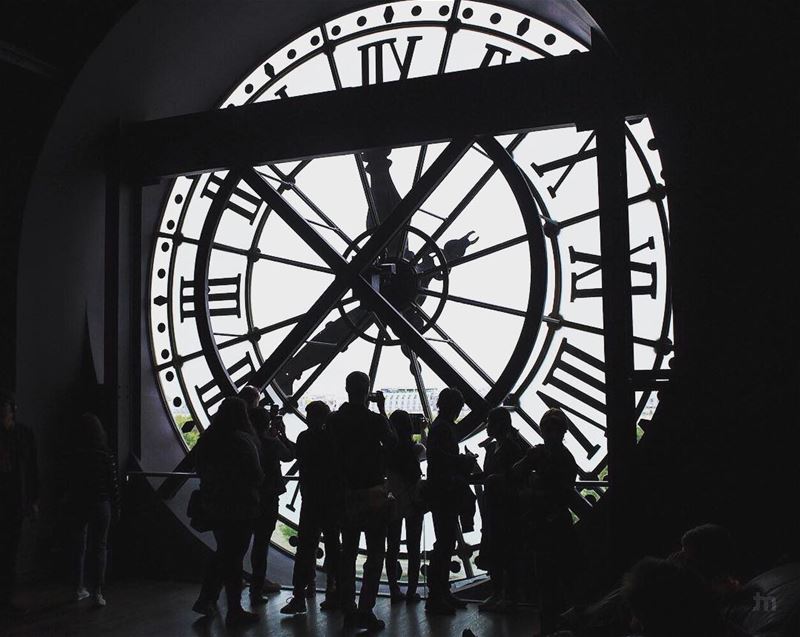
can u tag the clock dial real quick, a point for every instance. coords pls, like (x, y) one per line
(492, 284)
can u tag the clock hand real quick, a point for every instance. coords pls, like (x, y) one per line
(384, 194)
(453, 249)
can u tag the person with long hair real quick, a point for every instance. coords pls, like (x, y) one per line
(448, 472)
(91, 501)
(273, 448)
(230, 474)
(404, 475)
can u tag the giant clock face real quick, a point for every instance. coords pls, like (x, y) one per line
(496, 277)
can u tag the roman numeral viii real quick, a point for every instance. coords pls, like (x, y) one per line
(570, 375)
(211, 395)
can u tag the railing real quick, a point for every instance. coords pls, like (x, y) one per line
(579, 484)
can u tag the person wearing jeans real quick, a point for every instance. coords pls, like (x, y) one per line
(273, 448)
(404, 475)
(448, 472)
(91, 501)
(321, 491)
(362, 439)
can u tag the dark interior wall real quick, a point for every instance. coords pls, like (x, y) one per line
(719, 81)
(718, 78)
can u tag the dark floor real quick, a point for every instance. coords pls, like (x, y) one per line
(147, 609)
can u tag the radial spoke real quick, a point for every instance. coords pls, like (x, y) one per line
(475, 255)
(423, 152)
(448, 41)
(416, 370)
(407, 333)
(376, 356)
(456, 347)
(596, 213)
(327, 221)
(371, 207)
(473, 302)
(348, 274)
(337, 348)
(222, 247)
(297, 264)
(473, 192)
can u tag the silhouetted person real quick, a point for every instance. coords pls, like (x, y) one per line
(448, 472)
(708, 550)
(91, 502)
(500, 539)
(552, 480)
(668, 600)
(230, 476)
(321, 493)
(362, 437)
(273, 448)
(404, 474)
(19, 493)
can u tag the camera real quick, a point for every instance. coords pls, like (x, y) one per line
(276, 410)
(417, 423)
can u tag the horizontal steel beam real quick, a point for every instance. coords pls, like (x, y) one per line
(528, 95)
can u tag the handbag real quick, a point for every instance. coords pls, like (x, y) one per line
(197, 516)
(365, 507)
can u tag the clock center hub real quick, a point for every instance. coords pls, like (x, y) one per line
(397, 280)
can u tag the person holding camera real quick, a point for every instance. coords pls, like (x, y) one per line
(273, 448)
(404, 480)
(448, 482)
(362, 439)
(319, 511)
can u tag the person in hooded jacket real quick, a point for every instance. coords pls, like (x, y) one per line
(226, 457)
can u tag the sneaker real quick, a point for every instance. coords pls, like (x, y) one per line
(396, 595)
(412, 598)
(436, 606)
(81, 593)
(295, 606)
(98, 601)
(256, 598)
(331, 602)
(370, 622)
(270, 587)
(204, 607)
(352, 619)
(240, 617)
